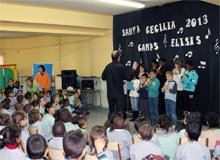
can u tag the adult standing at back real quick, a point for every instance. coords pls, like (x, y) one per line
(114, 73)
(43, 78)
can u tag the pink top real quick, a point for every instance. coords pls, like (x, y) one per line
(213, 136)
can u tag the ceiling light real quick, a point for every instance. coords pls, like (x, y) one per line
(124, 3)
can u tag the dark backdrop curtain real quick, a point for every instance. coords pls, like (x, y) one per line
(198, 41)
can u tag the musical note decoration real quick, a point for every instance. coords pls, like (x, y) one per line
(176, 56)
(128, 63)
(216, 47)
(165, 40)
(158, 57)
(131, 44)
(119, 48)
(209, 33)
(189, 54)
(180, 31)
(202, 65)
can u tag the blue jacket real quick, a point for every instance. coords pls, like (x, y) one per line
(190, 82)
(153, 88)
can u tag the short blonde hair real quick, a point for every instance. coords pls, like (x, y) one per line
(170, 73)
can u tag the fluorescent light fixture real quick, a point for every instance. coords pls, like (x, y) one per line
(124, 3)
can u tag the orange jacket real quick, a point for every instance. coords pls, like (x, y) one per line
(43, 80)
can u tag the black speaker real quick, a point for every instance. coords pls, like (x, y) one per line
(68, 78)
(87, 84)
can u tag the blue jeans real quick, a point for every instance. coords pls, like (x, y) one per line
(135, 103)
(171, 110)
(153, 107)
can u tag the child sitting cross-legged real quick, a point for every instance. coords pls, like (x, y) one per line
(140, 149)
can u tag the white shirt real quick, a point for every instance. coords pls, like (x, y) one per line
(12, 154)
(141, 149)
(192, 151)
(69, 126)
(24, 136)
(38, 125)
(123, 137)
(56, 143)
(134, 93)
(177, 78)
(47, 124)
(8, 111)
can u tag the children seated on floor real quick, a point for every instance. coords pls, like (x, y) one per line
(109, 123)
(193, 149)
(5, 120)
(216, 153)
(135, 137)
(188, 117)
(78, 105)
(42, 102)
(66, 117)
(28, 98)
(213, 132)
(56, 101)
(48, 120)
(140, 149)
(34, 121)
(167, 137)
(74, 145)
(122, 136)
(36, 147)
(56, 142)
(10, 144)
(13, 99)
(48, 96)
(20, 119)
(97, 138)
(83, 124)
(16, 87)
(61, 96)
(6, 108)
(35, 96)
(66, 104)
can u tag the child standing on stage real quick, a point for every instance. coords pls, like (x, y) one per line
(153, 92)
(143, 94)
(178, 72)
(134, 96)
(170, 89)
(189, 80)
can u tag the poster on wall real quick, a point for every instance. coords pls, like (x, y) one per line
(8, 71)
(186, 29)
(48, 69)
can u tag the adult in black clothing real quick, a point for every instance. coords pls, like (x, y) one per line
(161, 75)
(114, 73)
(10, 86)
